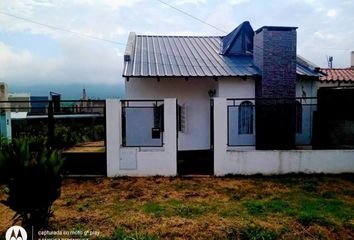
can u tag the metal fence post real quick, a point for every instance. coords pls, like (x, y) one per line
(50, 124)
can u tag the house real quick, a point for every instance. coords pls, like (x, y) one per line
(244, 64)
(338, 77)
(5, 113)
(335, 128)
(39, 105)
(20, 102)
(243, 103)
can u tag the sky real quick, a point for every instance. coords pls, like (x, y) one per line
(32, 54)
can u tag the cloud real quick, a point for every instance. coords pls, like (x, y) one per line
(119, 30)
(86, 17)
(82, 63)
(114, 4)
(236, 2)
(332, 13)
(327, 36)
(195, 2)
(185, 33)
(83, 60)
(21, 66)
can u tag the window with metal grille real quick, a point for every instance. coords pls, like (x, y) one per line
(159, 117)
(181, 118)
(298, 109)
(245, 118)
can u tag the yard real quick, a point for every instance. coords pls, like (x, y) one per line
(287, 207)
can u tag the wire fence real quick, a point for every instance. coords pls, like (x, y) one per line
(69, 125)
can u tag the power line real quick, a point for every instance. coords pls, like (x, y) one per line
(120, 43)
(327, 48)
(61, 29)
(190, 15)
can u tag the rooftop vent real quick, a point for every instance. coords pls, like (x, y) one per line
(239, 41)
(129, 50)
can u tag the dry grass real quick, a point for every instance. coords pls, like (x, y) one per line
(290, 207)
(97, 146)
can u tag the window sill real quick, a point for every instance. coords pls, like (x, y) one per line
(145, 149)
(240, 148)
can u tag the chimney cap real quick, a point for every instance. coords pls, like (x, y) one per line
(275, 28)
(129, 50)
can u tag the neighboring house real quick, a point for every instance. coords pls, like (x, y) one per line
(335, 77)
(244, 64)
(39, 105)
(20, 102)
(5, 114)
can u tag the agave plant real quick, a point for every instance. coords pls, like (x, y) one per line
(32, 176)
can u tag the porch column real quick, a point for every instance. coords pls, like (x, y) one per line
(113, 135)
(220, 136)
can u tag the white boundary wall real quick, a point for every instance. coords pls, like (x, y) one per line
(140, 161)
(229, 160)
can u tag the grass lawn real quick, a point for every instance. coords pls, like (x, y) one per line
(288, 207)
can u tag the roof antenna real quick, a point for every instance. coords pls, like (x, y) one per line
(330, 62)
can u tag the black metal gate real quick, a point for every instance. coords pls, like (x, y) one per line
(195, 162)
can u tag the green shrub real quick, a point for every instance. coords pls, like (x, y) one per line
(32, 180)
(66, 136)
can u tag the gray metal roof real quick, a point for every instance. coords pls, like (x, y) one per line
(306, 71)
(306, 68)
(186, 56)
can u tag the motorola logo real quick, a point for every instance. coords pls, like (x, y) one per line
(16, 233)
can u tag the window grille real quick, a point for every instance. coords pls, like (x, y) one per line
(245, 118)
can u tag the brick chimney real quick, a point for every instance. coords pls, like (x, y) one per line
(275, 55)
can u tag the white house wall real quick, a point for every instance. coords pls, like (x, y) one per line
(140, 161)
(306, 87)
(249, 161)
(193, 94)
(245, 88)
(113, 129)
(283, 162)
(236, 88)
